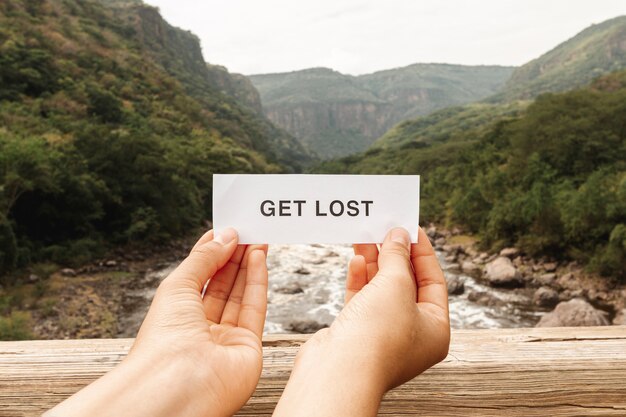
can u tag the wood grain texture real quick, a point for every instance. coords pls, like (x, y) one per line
(513, 372)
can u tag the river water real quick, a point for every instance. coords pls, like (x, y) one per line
(316, 273)
(306, 290)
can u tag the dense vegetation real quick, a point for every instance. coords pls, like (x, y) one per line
(337, 114)
(600, 49)
(448, 124)
(551, 180)
(110, 129)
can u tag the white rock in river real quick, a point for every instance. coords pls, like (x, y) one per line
(502, 273)
(576, 312)
(470, 268)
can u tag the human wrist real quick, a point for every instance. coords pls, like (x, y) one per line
(356, 358)
(348, 385)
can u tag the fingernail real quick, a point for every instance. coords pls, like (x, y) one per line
(400, 235)
(225, 236)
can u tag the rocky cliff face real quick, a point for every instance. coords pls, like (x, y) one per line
(333, 128)
(237, 86)
(337, 114)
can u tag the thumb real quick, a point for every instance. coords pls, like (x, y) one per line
(394, 259)
(205, 259)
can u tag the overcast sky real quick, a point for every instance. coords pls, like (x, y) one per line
(362, 36)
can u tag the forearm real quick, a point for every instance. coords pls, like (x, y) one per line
(137, 387)
(330, 385)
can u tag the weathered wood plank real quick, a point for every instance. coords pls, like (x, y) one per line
(514, 372)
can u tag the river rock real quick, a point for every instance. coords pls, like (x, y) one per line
(501, 273)
(68, 272)
(568, 281)
(456, 286)
(509, 252)
(550, 266)
(439, 242)
(33, 278)
(110, 263)
(450, 258)
(470, 268)
(485, 298)
(576, 312)
(290, 288)
(431, 231)
(305, 326)
(454, 268)
(547, 279)
(451, 249)
(321, 296)
(546, 297)
(620, 318)
(302, 271)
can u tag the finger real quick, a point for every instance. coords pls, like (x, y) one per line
(205, 260)
(230, 315)
(221, 285)
(394, 258)
(431, 284)
(370, 253)
(254, 302)
(357, 277)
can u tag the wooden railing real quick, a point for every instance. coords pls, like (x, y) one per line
(549, 372)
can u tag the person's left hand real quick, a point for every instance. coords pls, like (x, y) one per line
(194, 355)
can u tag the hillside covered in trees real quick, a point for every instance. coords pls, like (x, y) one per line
(598, 50)
(111, 125)
(550, 179)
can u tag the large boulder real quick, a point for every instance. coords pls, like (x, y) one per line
(502, 273)
(576, 312)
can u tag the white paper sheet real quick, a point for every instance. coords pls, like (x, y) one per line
(315, 208)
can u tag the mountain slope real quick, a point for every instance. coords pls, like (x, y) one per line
(337, 114)
(111, 126)
(447, 124)
(549, 179)
(597, 50)
(179, 53)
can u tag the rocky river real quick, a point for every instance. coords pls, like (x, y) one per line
(306, 289)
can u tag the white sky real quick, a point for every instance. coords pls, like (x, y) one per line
(362, 36)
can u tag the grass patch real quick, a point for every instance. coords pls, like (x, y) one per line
(465, 240)
(16, 326)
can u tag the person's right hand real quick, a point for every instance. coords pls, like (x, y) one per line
(397, 304)
(394, 326)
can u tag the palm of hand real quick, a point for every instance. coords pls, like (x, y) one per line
(218, 334)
